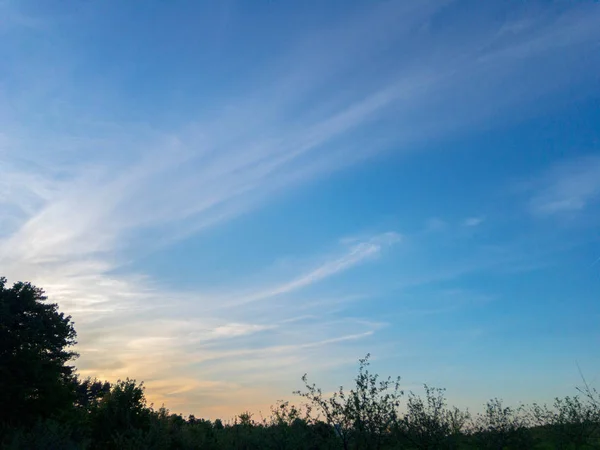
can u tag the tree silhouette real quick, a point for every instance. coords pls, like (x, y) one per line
(121, 415)
(365, 415)
(35, 378)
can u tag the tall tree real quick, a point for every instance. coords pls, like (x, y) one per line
(36, 380)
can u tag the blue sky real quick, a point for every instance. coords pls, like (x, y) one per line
(226, 195)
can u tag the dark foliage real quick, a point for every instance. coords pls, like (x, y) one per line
(35, 379)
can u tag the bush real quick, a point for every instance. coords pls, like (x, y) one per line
(363, 417)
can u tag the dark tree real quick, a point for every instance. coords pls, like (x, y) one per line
(35, 378)
(89, 393)
(121, 416)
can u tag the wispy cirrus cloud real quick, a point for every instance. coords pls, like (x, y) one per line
(473, 221)
(178, 181)
(357, 253)
(567, 187)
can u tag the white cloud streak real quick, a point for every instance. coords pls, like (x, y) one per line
(569, 187)
(473, 221)
(357, 254)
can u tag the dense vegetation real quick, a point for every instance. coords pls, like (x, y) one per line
(45, 405)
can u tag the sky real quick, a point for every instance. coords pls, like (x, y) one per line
(227, 195)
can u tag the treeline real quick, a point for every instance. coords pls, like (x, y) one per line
(45, 405)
